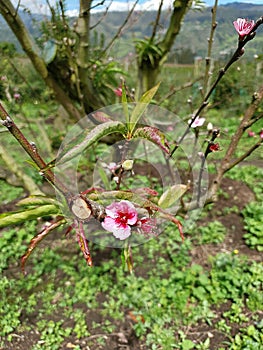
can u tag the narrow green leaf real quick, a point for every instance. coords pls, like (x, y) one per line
(125, 105)
(36, 201)
(93, 136)
(15, 218)
(170, 196)
(141, 106)
(104, 178)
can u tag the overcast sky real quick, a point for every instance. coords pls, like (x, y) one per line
(119, 5)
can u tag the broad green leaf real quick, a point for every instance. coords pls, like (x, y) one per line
(36, 201)
(90, 138)
(169, 197)
(141, 107)
(49, 51)
(187, 345)
(15, 218)
(154, 135)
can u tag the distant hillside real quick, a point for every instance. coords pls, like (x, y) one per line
(191, 42)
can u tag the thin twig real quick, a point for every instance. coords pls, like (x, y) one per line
(180, 88)
(98, 4)
(102, 17)
(210, 45)
(244, 156)
(117, 35)
(156, 23)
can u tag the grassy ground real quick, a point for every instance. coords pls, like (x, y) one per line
(205, 293)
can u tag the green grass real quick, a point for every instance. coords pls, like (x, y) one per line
(9, 193)
(168, 295)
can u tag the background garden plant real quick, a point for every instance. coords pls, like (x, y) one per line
(85, 150)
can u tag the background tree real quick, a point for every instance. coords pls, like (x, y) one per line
(78, 73)
(152, 52)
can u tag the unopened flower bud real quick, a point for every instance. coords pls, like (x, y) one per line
(209, 126)
(127, 164)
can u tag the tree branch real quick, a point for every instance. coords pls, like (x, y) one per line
(17, 26)
(156, 23)
(179, 11)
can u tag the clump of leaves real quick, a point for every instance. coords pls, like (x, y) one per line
(252, 219)
(214, 232)
(250, 338)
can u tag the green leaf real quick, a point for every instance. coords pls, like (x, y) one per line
(100, 117)
(93, 136)
(141, 107)
(169, 197)
(125, 104)
(36, 201)
(187, 345)
(154, 135)
(49, 51)
(104, 178)
(15, 218)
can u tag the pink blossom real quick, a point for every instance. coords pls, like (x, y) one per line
(17, 96)
(118, 91)
(251, 133)
(261, 134)
(243, 26)
(119, 219)
(197, 122)
(113, 166)
(146, 225)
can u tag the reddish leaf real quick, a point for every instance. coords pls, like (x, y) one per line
(83, 243)
(35, 240)
(154, 135)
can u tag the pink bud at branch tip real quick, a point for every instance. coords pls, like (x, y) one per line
(243, 26)
(118, 91)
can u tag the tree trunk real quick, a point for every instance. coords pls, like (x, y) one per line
(150, 68)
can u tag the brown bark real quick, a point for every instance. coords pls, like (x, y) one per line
(148, 71)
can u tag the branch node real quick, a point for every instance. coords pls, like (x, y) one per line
(8, 122)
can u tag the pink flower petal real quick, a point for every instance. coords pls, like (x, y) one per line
(118, 91)
(122, 233)
(243, 26)
(108, 224)
(147, 225)
(198, 122)
(120, 215)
